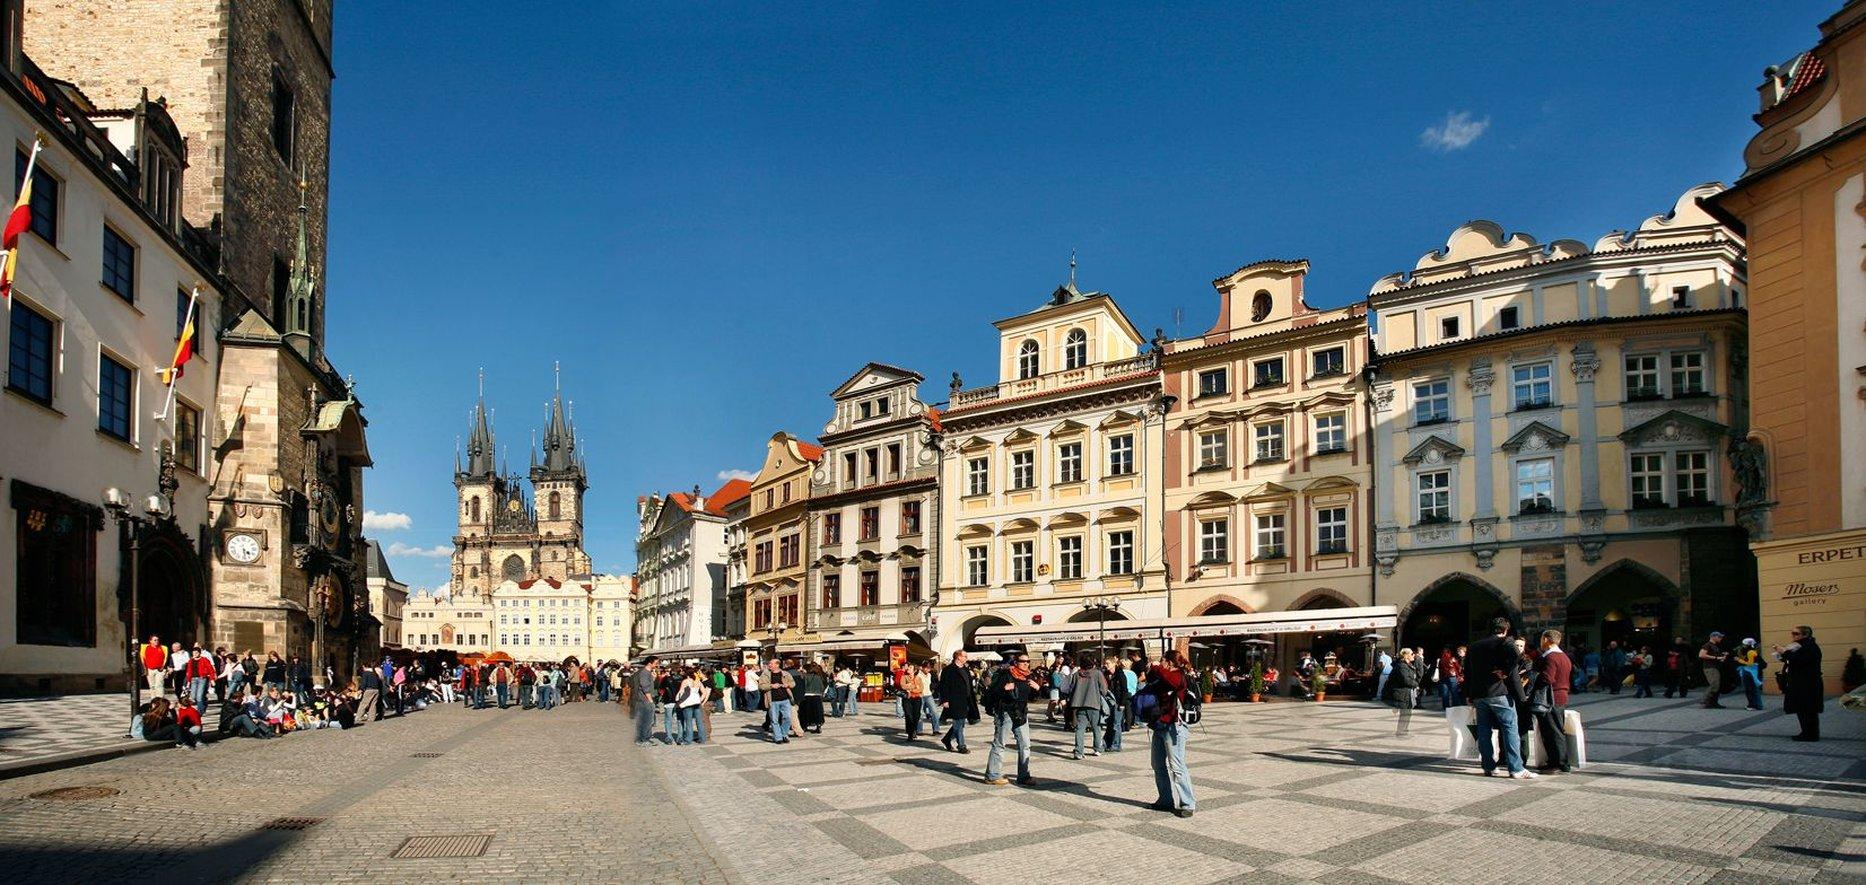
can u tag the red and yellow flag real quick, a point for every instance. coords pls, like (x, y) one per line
(16, 224)
(184, 348)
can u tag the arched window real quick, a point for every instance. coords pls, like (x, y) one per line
(1027, 360)
(556, 507)
(472, 571)
(1075, 350)
(514, 569)
(474, 508)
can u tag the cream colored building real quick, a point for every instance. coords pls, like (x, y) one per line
(1801, 204)
(874, 499)
(1551, 428)
(1268, 456)
(539, 619)
(680, 556)
(387, 598)
(82, 393)
(1050, 482)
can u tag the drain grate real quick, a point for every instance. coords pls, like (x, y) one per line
(291, 823)
(423, 847)
(73, 794)
(425, 755)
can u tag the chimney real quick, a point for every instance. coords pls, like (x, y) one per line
(1773, 84)
(699, 500)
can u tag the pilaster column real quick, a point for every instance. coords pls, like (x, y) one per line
(1480, 379)
(1386, 527)
(1585, 363)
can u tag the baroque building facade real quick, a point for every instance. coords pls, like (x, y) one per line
(777, 541)
(680, 567)
(506, 535)
(536, 619)
(1267, 458)
(1050, 489)
(1551, 428)
(1801, 207)
(873, 506)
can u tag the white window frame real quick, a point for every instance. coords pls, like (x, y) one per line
(1222, 385)
(1641, 376)
(1069, 462)
(1023, 470)
(1214, 449)
(1331, 527)
(1432, 496)
(1680, 365)
(1121, 552)
(978, 476)
(1534, 485)
(1269, 441)
(1526, 380)
(1427, 396)
(1256, 369)
(1271, 539)
(1331, 433)
(1691, 469)
(1069, 558)
(977, 565)
(1075, 349)
(1646, 471)
(1029, 360)
(1341, 357)
(1215, 541)
(1121, 454)
(1023, 562)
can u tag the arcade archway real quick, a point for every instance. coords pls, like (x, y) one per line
(1452, 611)
(170, 598)
(1626, 602)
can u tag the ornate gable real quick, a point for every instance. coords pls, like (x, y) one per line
(1534, 437)
(1673, 427)
(1435, 450)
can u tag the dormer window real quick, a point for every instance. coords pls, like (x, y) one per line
(1447, 328)
(1027, 360)
(1075, 350)
(1681, 297)
(1509, 318)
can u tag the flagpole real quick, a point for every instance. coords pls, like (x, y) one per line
(32, 162)
(194, 297)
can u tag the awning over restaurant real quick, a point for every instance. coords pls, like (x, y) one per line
(1327, 620)
(687, 652)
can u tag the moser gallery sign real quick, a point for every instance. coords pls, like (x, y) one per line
(1819, 582)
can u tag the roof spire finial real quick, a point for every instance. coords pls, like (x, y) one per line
(557, 375)
(1072, 267)
(482, 382)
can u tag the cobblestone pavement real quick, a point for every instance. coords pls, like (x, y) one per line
(1291, 792)
(1288, 792)
(563, 795)
(36, 729)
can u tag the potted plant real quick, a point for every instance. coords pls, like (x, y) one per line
(1319, 682)
(1205, 685)
(1256, 683)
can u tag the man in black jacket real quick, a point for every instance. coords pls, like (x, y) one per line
(957, 704)
(1493, 685)
(1010, 691)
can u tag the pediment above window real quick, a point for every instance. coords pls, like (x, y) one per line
(1673, 427)
(1534, 437)
(1435, 450)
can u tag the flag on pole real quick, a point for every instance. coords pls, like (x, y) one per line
(16, 224)
(184, 348)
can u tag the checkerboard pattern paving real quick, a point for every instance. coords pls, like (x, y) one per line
(34, 729)
(1292, 792)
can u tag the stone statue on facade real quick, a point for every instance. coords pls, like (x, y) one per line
(1751, 465)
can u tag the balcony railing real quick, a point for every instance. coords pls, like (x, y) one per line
(846, 617)
(1052, 381)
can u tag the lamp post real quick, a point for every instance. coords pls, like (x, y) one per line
(1102, 606)
(118, 505)
(774, 629)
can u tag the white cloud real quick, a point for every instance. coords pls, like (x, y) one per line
(746, 475)
(1455, 134)
(385, 522)
(439, 550)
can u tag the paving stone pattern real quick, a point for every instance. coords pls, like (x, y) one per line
(1288, 792)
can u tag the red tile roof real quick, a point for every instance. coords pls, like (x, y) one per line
(933, 416)
(726, 495)
(809, 451)
(1807, 73)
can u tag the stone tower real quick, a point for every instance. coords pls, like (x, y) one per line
(249, 85)
(480, 488)
(558, 480)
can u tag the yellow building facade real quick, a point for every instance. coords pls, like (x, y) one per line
(1551, 425)
(1801, 205)
(1267, 463)
(777, 541)
(1050, 487)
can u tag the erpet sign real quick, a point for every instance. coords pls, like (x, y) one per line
(1817, 581)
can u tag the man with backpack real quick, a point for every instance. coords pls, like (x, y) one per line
(1007, 698)
(1166, 706)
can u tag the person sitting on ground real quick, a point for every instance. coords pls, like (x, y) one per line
(187, 724)
(235, 721)
(159, 722)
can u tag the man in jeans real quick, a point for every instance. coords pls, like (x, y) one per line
(1009, 692)
(777, 688)
(1172, 780)
(1491, 684)
(641, 695)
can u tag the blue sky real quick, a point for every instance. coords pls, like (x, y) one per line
(713, 214)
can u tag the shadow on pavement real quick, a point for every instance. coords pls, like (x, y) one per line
(220, 862)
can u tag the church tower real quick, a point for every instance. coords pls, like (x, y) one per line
(480, 489)
(558, 480)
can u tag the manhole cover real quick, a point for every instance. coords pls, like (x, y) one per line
(291, 823)
(426, 755)
(72, 794)
(469, 845)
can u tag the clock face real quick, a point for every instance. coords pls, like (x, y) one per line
(513, 505)
(243, 548)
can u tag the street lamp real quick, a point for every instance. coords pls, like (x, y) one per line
(1102, 606)
(118, 504)
(774, 628)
